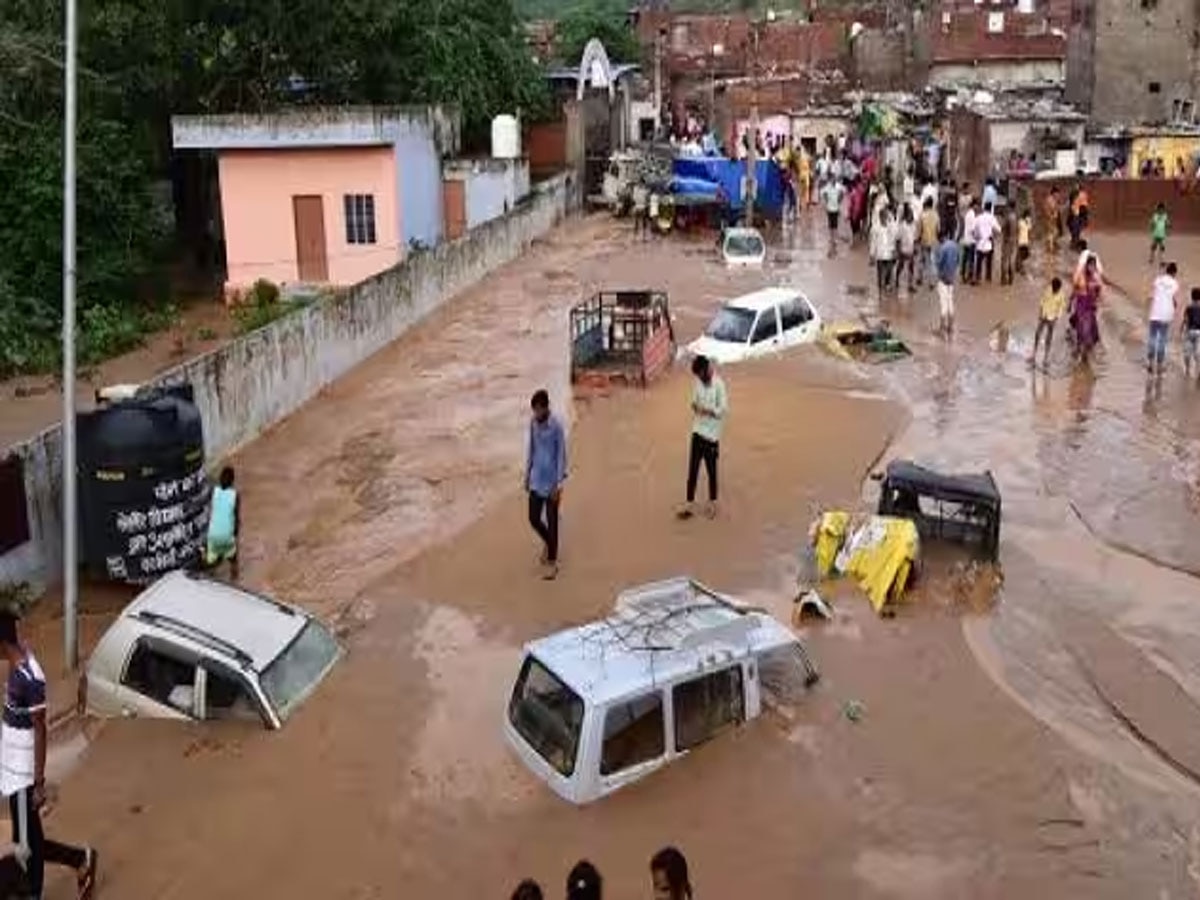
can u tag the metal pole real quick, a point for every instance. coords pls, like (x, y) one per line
(70, 497)
(658, 91)
(752, 153)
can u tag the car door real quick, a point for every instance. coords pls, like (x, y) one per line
(707, 705)
(226, 694)
(633, 739)
(158, 681)
(764, 338)
(797, 321)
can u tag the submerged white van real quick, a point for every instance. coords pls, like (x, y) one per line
(597, 707)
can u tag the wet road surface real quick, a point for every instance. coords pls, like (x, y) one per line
(1046, 754)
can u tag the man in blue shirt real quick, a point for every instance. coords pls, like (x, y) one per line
(946, 262)
(545, 471)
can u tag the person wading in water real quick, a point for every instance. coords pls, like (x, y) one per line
(710, 406)
(545, 472)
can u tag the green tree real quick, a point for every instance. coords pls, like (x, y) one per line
(469, 52)
(120, 227)
(605, 21)
(142, 61)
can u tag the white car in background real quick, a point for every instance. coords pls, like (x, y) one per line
(743, 247)
(189, 647)
(758, 324)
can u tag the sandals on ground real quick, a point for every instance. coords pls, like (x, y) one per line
(87, 878)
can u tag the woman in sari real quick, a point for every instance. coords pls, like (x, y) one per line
(1085, 305)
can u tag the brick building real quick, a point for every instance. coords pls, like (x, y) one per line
(995, 46)
(1134, 61)
(709, 63)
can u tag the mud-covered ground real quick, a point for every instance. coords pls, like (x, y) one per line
(1046, 747)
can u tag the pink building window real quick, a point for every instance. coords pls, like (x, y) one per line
(359, 211)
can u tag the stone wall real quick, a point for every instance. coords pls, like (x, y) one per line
(1126, 203)
(255, 381)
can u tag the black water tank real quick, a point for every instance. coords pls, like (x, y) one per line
(143, 493)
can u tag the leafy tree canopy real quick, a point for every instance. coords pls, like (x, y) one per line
(606, 21)
(143, 60)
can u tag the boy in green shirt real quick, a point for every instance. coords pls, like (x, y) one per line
(1159, 222)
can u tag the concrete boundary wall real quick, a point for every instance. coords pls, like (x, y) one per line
(253, 382)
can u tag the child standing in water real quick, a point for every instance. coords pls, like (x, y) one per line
(1159, 223)
(224, 523)
(1050, 310)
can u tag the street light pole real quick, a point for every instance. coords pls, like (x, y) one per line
(70, 491)
(752, 154)
(752, 150)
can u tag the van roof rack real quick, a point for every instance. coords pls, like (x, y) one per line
(199, 635)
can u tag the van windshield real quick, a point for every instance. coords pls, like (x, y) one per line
(547, 714)
(744, 244)
(294, 674)
(732, 325)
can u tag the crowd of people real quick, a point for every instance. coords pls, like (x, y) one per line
(946, 235)
(669, 880)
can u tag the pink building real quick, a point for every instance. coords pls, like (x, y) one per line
(324, 196)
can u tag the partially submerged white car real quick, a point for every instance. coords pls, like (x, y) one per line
(758, 324)
(189, 647)
(743, 247)
(597, 707)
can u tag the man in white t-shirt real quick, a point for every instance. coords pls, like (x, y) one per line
(832, 194)
(824, 164)
(1162, 314)
(1084, 253)
(986, 227)
(929, 193)
(23, 764)
(967, 275)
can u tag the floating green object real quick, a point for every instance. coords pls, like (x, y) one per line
(854, 710)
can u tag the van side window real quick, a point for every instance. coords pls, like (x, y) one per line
(706, 705)
(165, 679)
(766, 328)
(633, 734)
(793, 314)
(227, 697)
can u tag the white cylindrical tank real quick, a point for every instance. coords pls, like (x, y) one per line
(506, 137)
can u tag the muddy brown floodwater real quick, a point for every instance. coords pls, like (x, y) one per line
(1043, 749)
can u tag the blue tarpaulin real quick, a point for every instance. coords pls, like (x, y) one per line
(682, 184)
(728, 173)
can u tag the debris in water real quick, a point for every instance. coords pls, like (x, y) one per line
(873, 344)
(879, 552)
(998, 340)
(975, 584)
(854, 710)
(809, 606)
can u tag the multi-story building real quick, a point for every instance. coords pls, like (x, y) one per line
(732, 60)
(1134, 61)
(1002, 45)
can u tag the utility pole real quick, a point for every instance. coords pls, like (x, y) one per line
(70, 487)
(658, 92)
(752, 150)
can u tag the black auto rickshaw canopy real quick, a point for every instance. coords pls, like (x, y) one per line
(962, 508)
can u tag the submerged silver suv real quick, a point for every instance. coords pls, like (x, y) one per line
(189, 647)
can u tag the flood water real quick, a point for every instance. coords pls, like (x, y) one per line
(1044, 748)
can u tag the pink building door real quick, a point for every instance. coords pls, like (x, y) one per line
(311, 261)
